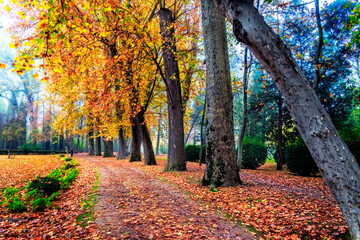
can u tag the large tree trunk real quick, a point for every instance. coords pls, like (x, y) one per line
(122, 145)
(135, 140)
(98, 146)
(245, 110)
(91, 143)
(221, 168)
(176, 154)
(202, 142)
(280, 156)
(158, 135)
(319, 48)
(336, 163)
(146, 140)
(108, 148)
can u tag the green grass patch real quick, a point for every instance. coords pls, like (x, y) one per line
(88, 203)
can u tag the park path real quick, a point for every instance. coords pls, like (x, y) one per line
(133, 204)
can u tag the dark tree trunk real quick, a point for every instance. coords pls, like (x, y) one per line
(135, 140)
(338, 166)
(122, 145)
(176, 154)
(245, 110)
(158, 135)
(280, 156)
(221, 168)
(319, 47)
(61, 143)
(98, 146)
(108, 148)
(202, 142)
(91, 143)
(146, 140)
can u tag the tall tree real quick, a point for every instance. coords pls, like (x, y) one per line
(338, 166)
(176, 153)
(220, 158)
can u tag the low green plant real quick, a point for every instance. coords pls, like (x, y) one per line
(40, 203)
(67, 159)
(69, 177)
(254, 154)
(60, 155)
(192, 153)
(299, 160)
(25, 148)
(13, 201)
(47, 185)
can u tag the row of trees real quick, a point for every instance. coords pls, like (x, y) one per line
(109, 64)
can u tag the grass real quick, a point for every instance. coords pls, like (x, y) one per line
(89, 202)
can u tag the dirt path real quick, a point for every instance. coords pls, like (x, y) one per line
(136, 205)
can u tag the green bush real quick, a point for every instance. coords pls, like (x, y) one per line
(254, 154)
(13, 200)
(25, 148)
(56, 173)
(40, 203)
(60, 155)
(70, 176)
(46, 185)
(192, 153)
(299, 160)
(67, 159)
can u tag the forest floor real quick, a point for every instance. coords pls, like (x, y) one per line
(135, 204)
(134, 201)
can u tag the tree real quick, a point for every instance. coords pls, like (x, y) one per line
(338, 166)
(220, 158)
(10, 132)
(176, 154)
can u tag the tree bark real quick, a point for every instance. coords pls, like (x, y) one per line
(146, 140)
(280, 157)
(176, 154)
(202, 155)
(91, 143)
(336, 163)
(122, 145)
(98, 146)
(319, 47)
(158, 135)
(245, 110)
(221, 168)
(108, 148)
(135, 140)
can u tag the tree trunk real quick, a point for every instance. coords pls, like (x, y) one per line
(158, 135)
(176, 154)
(245, 110)
(336, 163)
(319, 47)
(221, 168)
(146, 140)
(202, 155)
(91, 143)
(98, 146)
(135, 140)
(280, 157)
(122, 145)
(108, 148)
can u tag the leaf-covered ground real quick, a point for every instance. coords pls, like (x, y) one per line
(142, 202)
(58, 222)
(278, 204)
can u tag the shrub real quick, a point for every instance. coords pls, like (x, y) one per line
(70, 176)
(13, 200)
(299, 160)
(56, 173)
(25, 148)
(47, 185)
(253, 155)
(67, 159)
(40, 204)
(60, 155)
(192, 153)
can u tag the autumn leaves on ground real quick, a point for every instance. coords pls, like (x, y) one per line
(142, 202)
